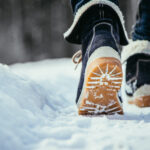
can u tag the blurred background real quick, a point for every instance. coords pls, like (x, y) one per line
(32, 30)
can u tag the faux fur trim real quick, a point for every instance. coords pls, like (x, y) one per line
(134, 47)
(104, 51)
(84, 8)
(142, 91)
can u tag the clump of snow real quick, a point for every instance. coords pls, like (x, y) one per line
(38, 112)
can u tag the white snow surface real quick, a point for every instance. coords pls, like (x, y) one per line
(38, 112)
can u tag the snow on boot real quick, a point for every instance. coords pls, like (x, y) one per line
(136, 66)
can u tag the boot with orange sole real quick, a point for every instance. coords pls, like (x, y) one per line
(136, 66)
(99, 27)
(101, 76)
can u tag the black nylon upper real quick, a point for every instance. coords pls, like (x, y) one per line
(96, 14)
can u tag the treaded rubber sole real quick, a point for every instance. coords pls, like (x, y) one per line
(103, 80)
(143, 101)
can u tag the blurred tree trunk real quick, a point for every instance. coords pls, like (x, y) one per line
(129, 8)
(32, 30)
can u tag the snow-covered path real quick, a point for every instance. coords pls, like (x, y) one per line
(38, 112)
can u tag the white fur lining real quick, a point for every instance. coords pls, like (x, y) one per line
(142, 91)
(84, 8)
(134, 47)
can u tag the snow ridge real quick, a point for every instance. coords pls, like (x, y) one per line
(38, 112)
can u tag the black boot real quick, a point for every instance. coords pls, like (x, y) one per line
(100, 30)
(136, 64)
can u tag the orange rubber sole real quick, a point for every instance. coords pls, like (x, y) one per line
(143, 101)
(103, 80)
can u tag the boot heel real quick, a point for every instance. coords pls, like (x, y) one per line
(143, 101)
(141, 96)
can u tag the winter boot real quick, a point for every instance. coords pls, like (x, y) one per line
(99, 27)
(101, 75)
(136, 66)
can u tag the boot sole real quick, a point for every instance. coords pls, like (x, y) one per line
(143, 101)
(140, 98)
(103, 80)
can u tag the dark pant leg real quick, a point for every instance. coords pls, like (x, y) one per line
(76, 4)
(142, 27)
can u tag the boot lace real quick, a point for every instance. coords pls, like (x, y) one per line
(77, 58)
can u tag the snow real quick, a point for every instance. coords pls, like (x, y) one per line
(38, 112)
